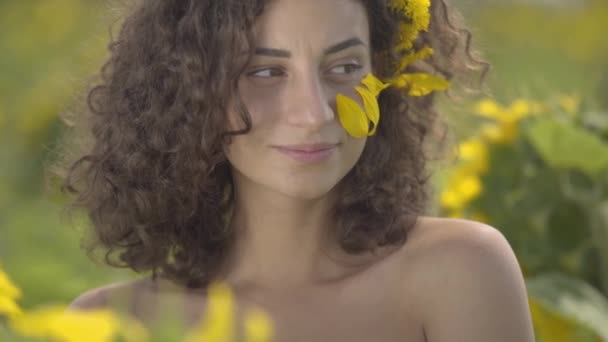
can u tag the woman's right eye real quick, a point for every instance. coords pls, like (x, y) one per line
(266, 73)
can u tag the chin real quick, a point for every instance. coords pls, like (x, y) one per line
(307, 190)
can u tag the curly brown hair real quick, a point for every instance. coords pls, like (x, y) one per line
(144, 157)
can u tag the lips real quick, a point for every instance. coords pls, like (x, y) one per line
(307, 147)
(307, 152)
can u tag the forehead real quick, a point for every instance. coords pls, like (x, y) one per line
(313, 24)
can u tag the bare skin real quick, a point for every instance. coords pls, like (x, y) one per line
(453, 280)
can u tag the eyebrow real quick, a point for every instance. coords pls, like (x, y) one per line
(330, 50)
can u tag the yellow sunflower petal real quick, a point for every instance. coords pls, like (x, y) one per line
(372, 109)
(352, 117)
(375, 85)
(420, 84)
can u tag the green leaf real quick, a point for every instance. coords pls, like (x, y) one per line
(567, 146)
(568, 226)
(572, 299)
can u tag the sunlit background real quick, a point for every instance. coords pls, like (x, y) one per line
(533, 157)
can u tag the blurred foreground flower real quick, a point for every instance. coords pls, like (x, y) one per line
(71, 326)
(58, 324)
(219, 322)
(9, 293)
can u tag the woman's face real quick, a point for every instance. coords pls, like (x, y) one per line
(306, 53)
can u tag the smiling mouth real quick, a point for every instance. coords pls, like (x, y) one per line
(308, 153)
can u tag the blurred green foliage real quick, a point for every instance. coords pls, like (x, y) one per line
(49, 48)
(545, 192)
(539, 173)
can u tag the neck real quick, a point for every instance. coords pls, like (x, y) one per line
(281, 241)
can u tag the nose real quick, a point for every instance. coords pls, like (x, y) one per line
(310, 105)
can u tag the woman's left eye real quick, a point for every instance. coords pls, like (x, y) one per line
(346, 69)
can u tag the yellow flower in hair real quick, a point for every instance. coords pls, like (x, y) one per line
(420, 84)
(414, 56)
(354, 119)
(418, 12)
(419, 19)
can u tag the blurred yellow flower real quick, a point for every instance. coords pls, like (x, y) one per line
(505, 126)
(461, 191)
(518, 110)
(9, 293)
(74, 326)
(7, 288)
(493, 133)
(354, 119)
(569, 103)
(218, 322)
(499, 133)
(258, 327)
(488, 108)
(9, 307)
(67, 326)
(475, 153)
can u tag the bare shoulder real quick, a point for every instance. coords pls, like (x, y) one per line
(107, 295)
(468, 281)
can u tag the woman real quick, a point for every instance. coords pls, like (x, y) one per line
(241, 141)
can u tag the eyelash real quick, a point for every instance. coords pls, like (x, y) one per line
(354, 67)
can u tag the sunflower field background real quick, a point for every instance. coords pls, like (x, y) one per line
(531, 159)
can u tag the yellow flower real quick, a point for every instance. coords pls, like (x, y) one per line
(505, 127)
(461, 190)
(410, 58)
(9, 293)
(418, 12)
(8, 307)
(420, 84)
(7, 288)
(518, 110)
(67, 326)
(218, 322)
(354, 119)
(569, 103)
(489, 108)
(258, 327)
(475, 152)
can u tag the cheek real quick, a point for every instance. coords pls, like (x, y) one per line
(262, 102)
(354, 149)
